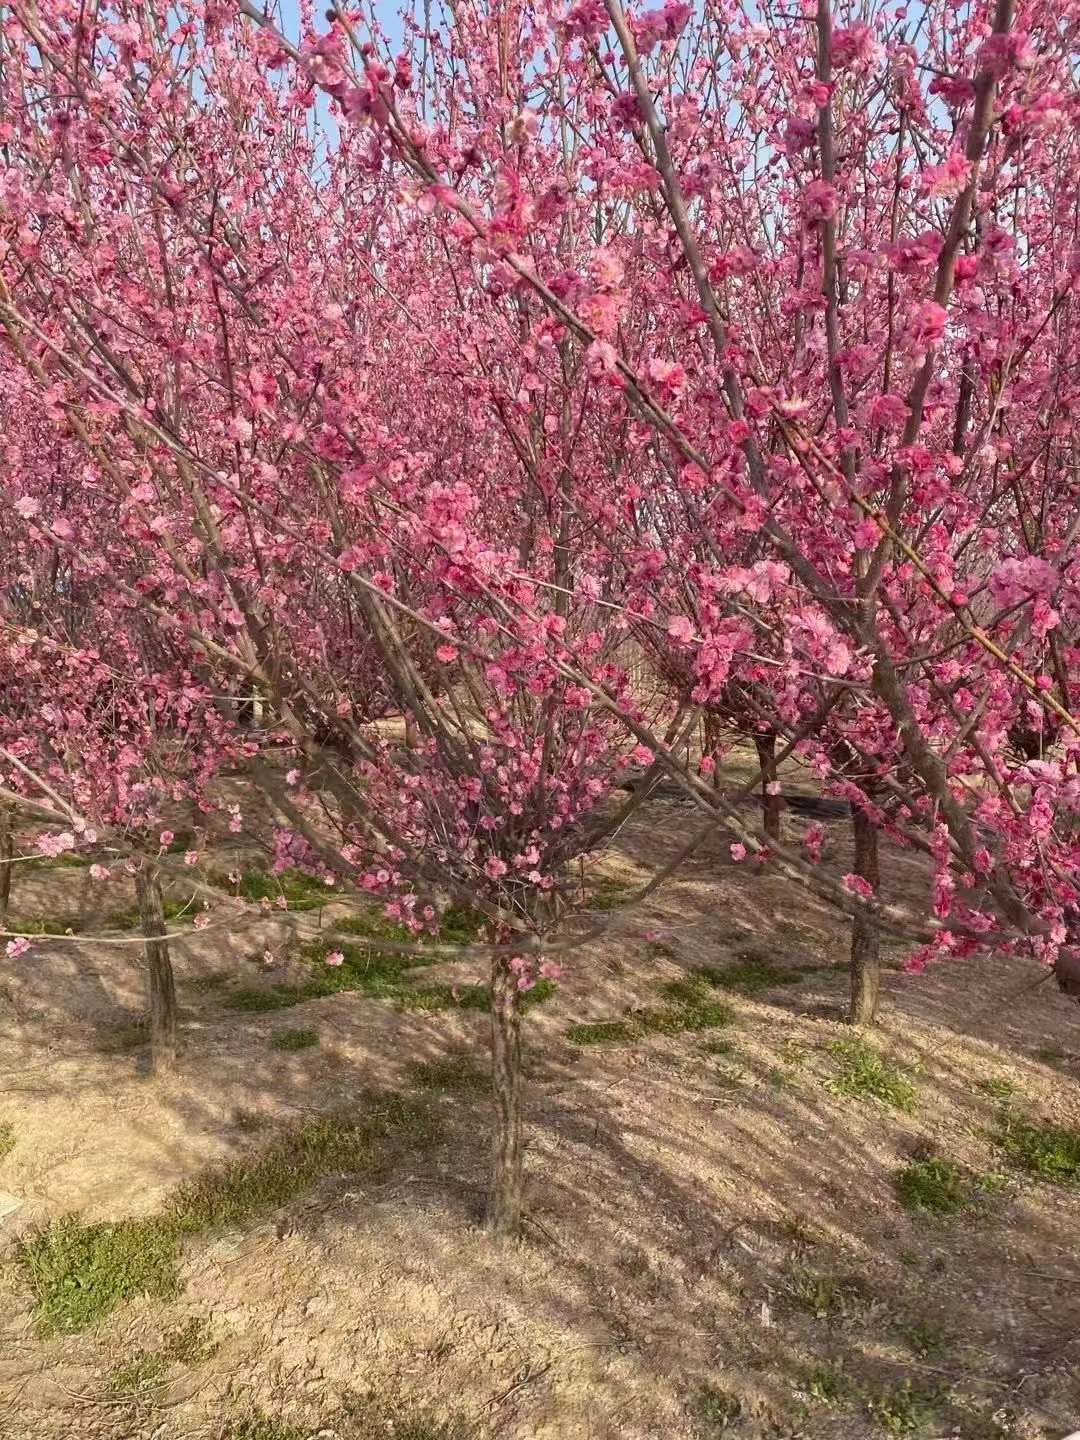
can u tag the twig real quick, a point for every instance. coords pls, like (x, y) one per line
(527, 1379)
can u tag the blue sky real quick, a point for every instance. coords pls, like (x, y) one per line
(386, 10)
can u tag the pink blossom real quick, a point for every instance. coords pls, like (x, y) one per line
(681, 629)
(1018, 579)
(446, 654)
(495, 868)
(738, 852)
(166, 838)
(859, 886)
(928, 322)
(99, 872)
(191, 857)
(948, 178)
(27, 506)
(820, 201)
(855, 47)
(603, 358)
(625, 109)
(888, 412)
(335, 957)
(667, 375)
(17, 947)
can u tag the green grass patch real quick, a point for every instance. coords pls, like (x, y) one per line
(457, 1071)
(750, 974)
(934, 1184)
(717, 1045)
(825, 1384)
(299, 890)
(80, 1273)
(442, 997)
(261, 1427)
(692, 1007)
(864, 1074)
(998, 1089)
(148, 1369)
(1050, 1152)
(254, 1001)
(247, 1188)
(176, 910)
(294, 1039)
(67, 860)
(47, 924)
(604, 1032)
(460, 925)
(7, 1138)
(610, 894)
(904, 1409)
(715, 1409)
(380, 975)
(361, 1418)
(924, 1337)
(800, 1230)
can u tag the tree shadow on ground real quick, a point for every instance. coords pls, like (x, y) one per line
(713, 1239)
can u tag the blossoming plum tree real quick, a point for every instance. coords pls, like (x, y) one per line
(752, 328)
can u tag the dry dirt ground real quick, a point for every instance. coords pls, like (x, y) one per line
(715, 1243)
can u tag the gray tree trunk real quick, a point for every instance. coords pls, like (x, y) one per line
(7, 850)
(770, 804)
(865, 939)
(504, 1209)
(162, 986)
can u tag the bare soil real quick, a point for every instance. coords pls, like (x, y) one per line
(714, 1243)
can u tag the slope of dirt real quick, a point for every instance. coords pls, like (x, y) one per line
(715, 1243)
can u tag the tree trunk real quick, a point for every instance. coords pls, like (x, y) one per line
(7, 850)
(159, 970)
(710, 742)
(770, 804)
(504, 1210)
(865, 940)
